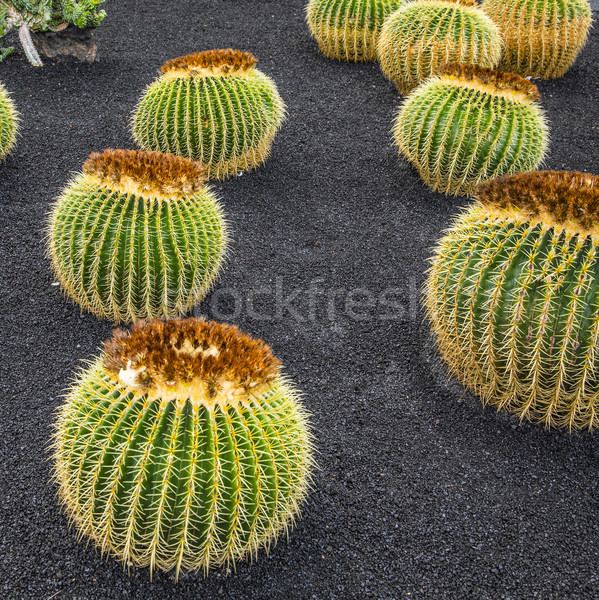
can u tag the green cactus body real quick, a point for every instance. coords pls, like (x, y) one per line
(9, 122)
(137, 235)
(468, 124)
(420, 36)
(542, 37)
(183, 447)
(214, 107)
(513, 297)
(349, 29)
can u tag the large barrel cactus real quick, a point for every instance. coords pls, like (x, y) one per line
(183, 447)
(468, 124)
(214, 107)
(513, 297)
(9, 122)
(420, 36)
(137, 235)
(349, 29)
(542, 37)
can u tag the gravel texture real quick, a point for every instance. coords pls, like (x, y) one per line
(421, 492)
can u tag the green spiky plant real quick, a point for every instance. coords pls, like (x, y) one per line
(9, 123)
(417, 38)
(349, 29)
(137, 235)
(468, 124)
(542, 37)
(214, 107)
(183, 447)
(513, 297)
(45, 15)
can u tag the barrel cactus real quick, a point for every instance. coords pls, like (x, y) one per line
(9, 122)
(420, 36)
(468, 124)
(183, 447)
(214, 107)
(513, 297)
(542, 37)
(349, 29)
(137, 235)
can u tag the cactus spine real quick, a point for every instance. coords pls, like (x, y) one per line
(9, 122)
(420, 36)
(137, 235)
(468, 124)
(513, 297)
(542, 37)
(183, 447)
(349, 29)
(214, 107)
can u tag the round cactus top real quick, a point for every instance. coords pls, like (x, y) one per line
(211, 62)
(203, 361)
(146, 174)
(560, 199)
(458, 2)
(490, 81)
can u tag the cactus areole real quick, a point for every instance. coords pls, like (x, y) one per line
(349, 29)
(183, 447)
(513, 297)
(420, 36)
(214, 107)
(468, 124)
(137, 235)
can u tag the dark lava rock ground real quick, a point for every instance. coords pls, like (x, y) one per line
(421, 492)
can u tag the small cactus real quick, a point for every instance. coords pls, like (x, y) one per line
(542, 37)
(137, 235)
(349, 29)
(420, 36)
(9, 122)
(214, 107)
(183, 447)
(513, 297)
(468, 124)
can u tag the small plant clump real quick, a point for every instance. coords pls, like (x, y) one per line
(9, 123)
(137, 235)
(468, 124)
(542, 37)
(418, 37)
(513, 297)
(349, 29)
(183, 447)
(214, 107)
(45, 15)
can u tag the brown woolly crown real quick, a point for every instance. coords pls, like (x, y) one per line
(163, 355)
(227, 62)
(146, 173)
(460, 2)
(496, 80)
(553, 197)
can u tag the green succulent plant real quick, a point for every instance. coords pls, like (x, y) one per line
(542, 37)
(418, 37)
(214, 107)
(513, 297)
(183, 447)
(45, 15)
(137, 235)
(349, 29)
(9, 123)
(468, 124)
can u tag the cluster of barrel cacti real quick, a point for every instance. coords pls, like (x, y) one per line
(183, 446)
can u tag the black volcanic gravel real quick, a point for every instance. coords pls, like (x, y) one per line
(421, 492)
